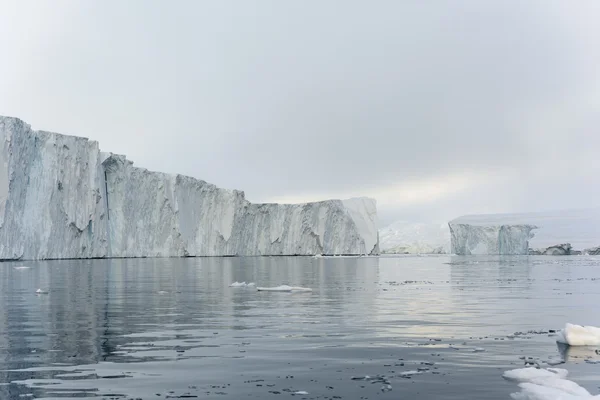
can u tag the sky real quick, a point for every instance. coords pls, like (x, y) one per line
(434, 108)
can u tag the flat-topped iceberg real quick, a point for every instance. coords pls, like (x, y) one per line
(551, 233)
(60, 197)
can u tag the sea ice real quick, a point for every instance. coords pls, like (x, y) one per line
(242, 284)
(577, 335)
(545, 384)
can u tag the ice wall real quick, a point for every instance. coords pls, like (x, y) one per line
(469, 239)
(50, 199)
(60, 197)
(515, 233)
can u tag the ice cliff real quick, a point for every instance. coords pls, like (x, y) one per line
(61, 197)
(467, 239)
(526, 233)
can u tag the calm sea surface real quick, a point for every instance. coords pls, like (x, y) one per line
(173, 328)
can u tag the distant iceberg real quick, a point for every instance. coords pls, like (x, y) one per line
(551, 233)
(403, 237)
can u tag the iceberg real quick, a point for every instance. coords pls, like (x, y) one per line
(61, 197)
(402, 237)
(549, 233)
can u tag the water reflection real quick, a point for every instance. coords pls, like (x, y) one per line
(167, 317)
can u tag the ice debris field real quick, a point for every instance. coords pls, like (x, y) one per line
(537, 383)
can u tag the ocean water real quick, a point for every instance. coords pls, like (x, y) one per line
(173, 328)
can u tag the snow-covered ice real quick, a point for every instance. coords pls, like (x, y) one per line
(545, 384)
(578, 335)
(41, 291)
(61, 197)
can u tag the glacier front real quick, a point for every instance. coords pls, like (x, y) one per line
(526, 233)
(61, 197)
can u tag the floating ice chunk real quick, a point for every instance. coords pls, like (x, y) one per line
(527, 374)
(19, 267)
(299, 392)
(40, 291)
(577, 335)
(242, 284)
(545, 384)
(163, 292)
(408, 374)
(284, 288)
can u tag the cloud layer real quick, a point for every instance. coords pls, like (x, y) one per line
(435, 108)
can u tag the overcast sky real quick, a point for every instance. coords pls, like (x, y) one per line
(435, 108)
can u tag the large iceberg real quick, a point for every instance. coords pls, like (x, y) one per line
(519, 233)
(61, 197)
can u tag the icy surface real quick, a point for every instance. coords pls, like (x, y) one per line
(545, 384)
(577, 335)
(60, 197)
(415, 238)
(580, 228)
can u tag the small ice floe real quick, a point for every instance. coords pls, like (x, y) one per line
(284, 288)
(478, 350)
(318, 256)
(242, 284)
(409, 374)
(40, 291)
(163, 292)
(21, 267)
(545, 384)
(577, 335)
(300, 392)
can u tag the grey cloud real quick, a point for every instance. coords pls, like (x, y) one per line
(300, 99)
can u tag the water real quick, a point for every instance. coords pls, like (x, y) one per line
(169, 328)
